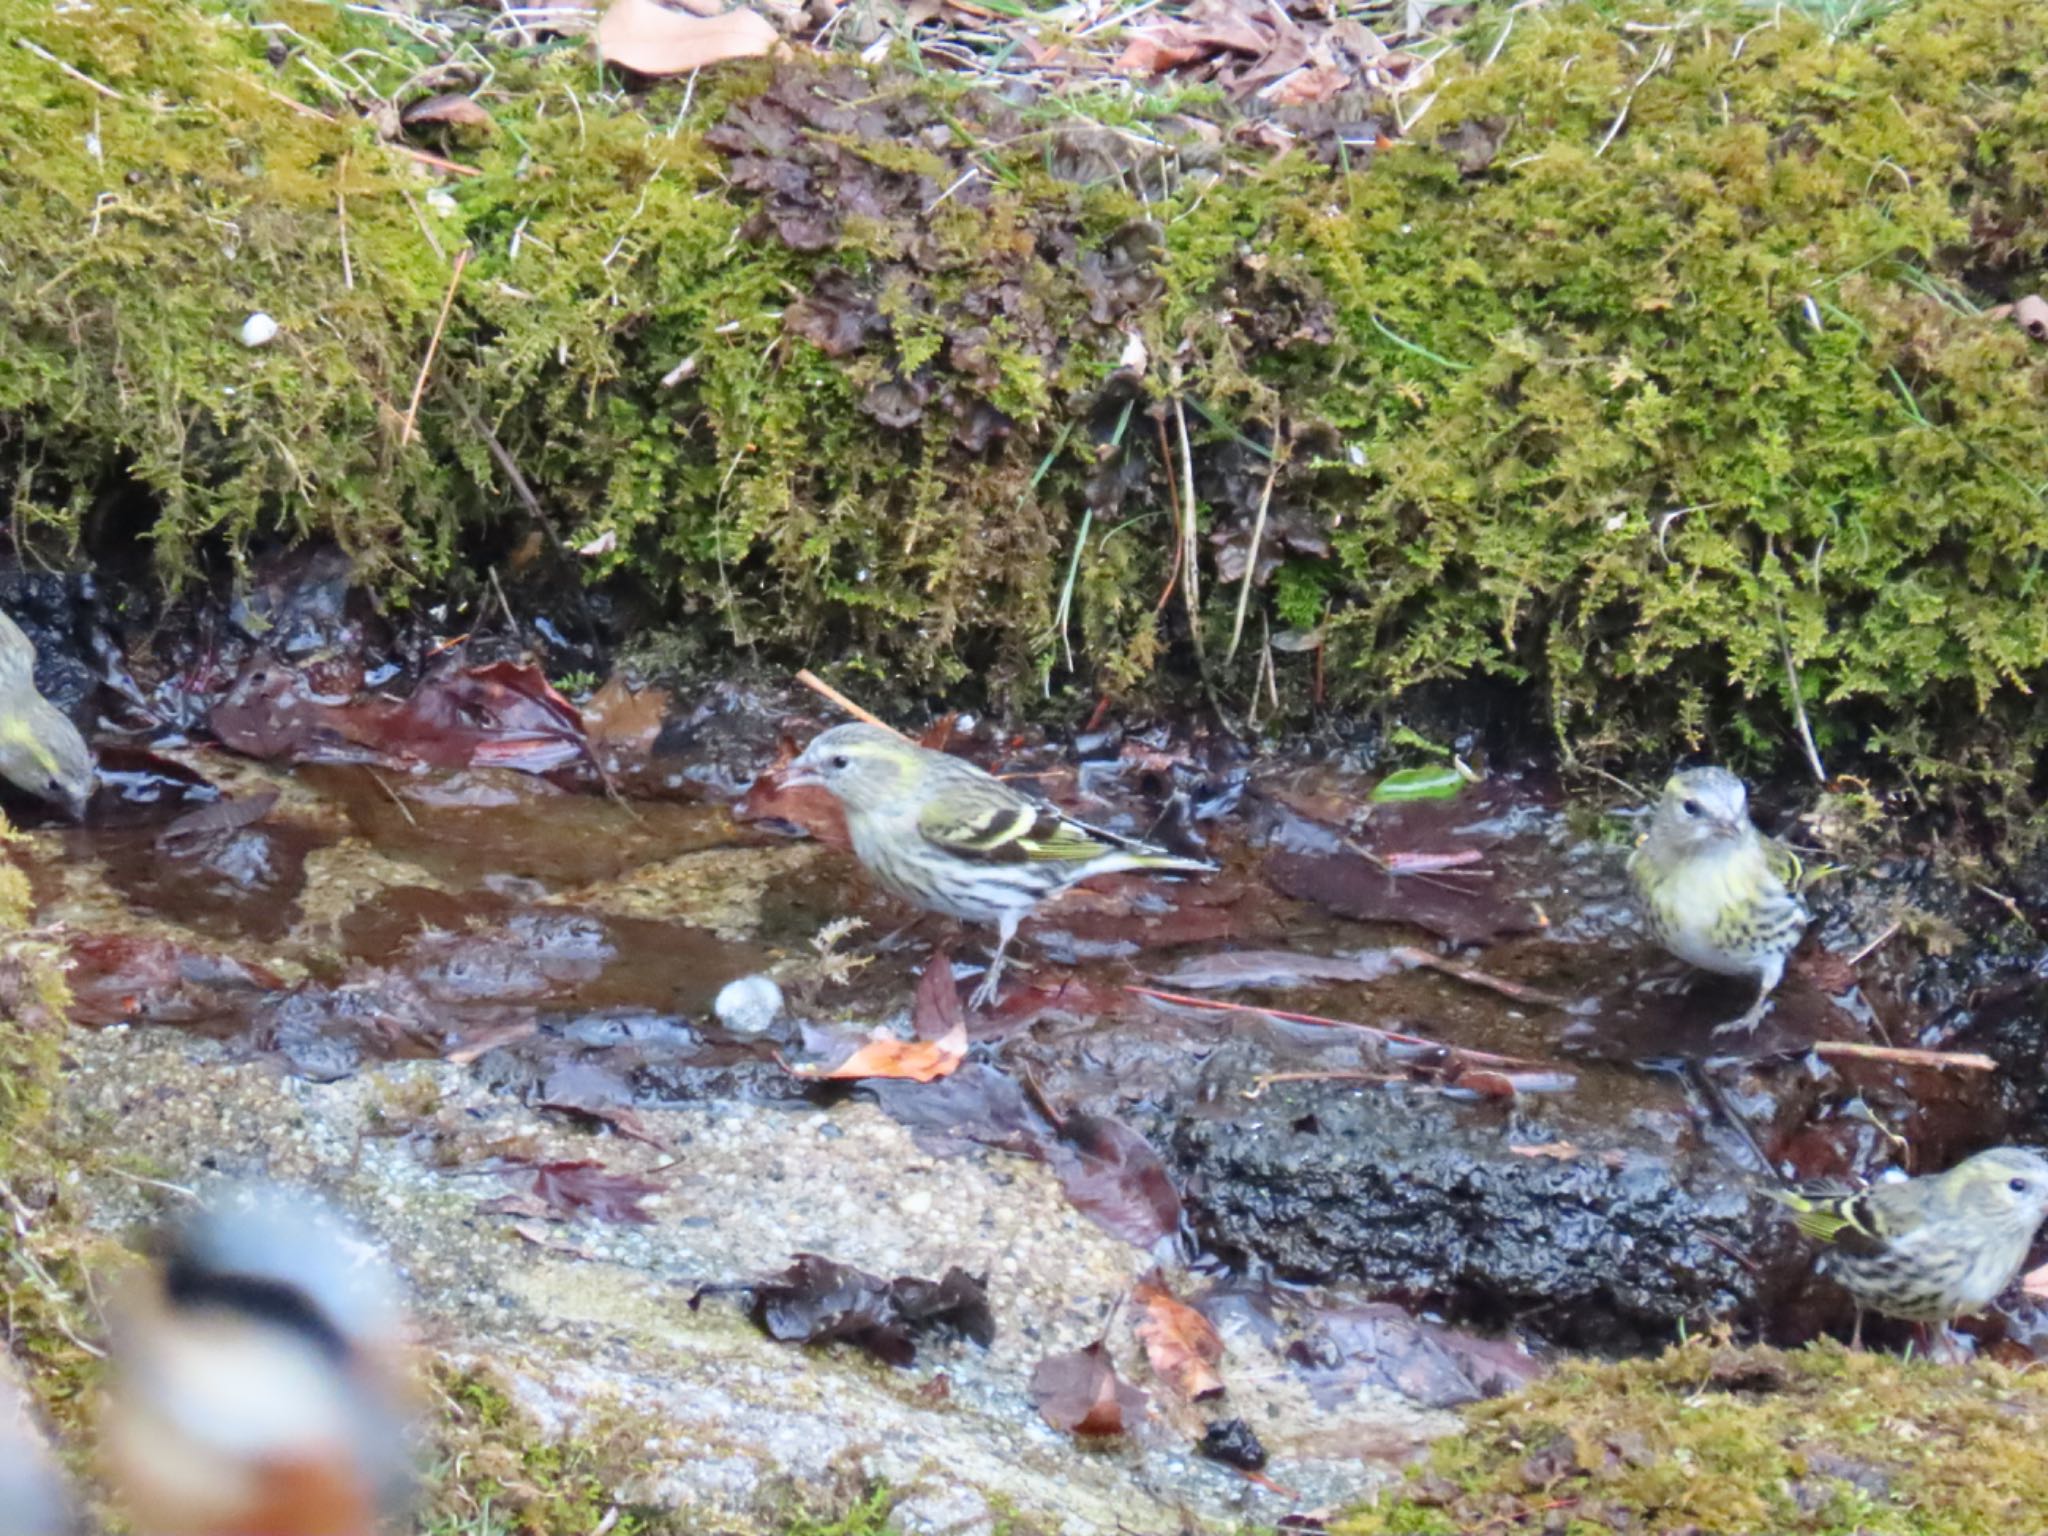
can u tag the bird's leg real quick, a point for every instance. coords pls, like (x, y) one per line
(1747, 1024)
(1856, 1333)
(985, 994)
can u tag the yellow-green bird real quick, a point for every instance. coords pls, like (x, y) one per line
(1716, 892)
(40, 749)
(1931, 1249)
(945, 836)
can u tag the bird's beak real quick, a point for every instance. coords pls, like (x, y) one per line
(801, 775)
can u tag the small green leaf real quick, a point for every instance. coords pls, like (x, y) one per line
(1418, 784)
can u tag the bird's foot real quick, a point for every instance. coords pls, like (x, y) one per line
(1747, 1024)
(984, 995)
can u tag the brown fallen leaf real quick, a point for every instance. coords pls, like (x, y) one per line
(1082, 1393)
(920, 1061)
(1182, 1345)
(650, 39)
(451, 107)
(565, 1189)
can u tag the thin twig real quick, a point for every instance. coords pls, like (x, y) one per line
(1872, 947)
(1191, 579)
(825, 690)
(79, 75)
(348, 272)
(1251, 559)
(1663, 57)
(1217, 1005)
(1266, 1080)
(1820, 774)
(527, 499)
(1971, 1061)
(403, 809)
(419, 386)
(1473, 976)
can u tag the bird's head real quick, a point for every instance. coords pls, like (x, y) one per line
(42, 753)
(866, 767)
(1701, 807)
(260, 1380)
(2007, 1186)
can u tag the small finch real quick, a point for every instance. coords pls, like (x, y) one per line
(1931, 1249)
(41, 751)
(1714, 890)
(945, 836)
(260, 1381)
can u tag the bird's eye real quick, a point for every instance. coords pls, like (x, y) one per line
(1691, 807)
(840, 760)
(2017, 1186)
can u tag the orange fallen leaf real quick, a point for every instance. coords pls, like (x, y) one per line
(1182, 1345)
(650, 39)
(920, 1061)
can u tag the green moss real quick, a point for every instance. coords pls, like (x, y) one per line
(1715, 1440)
(496, 1473)
(1636, 355)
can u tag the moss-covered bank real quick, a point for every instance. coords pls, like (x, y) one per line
(1651, 333)
(1713, 1441)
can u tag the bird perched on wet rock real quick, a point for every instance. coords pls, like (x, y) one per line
(1931, 1249)
(259, 1379)
(1715, 891)
(40, 749)
(948, 837)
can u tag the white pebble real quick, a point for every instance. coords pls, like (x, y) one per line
(749, 1005)
(258, 330)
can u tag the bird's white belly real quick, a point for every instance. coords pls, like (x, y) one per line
(1707, 892)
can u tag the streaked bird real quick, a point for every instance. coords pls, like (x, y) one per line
(948, 837)
(1931, 1249)
(260, 1384)
(1715, 891)
(41, 751)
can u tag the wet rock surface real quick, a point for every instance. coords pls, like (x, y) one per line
(1597, 1236)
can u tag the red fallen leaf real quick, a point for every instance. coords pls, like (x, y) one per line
(1351, 885)
(569, 1189)
(807, 807)
(1112, 1174)
(935, 1012)
(596, 1093)
(118, 978)
(920, 1061)
(503, 715)
(1082, 1393)
(1182, 1345)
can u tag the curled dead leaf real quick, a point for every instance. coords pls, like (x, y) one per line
(651, 39)
(1082, 1393)
(449, 107)
(1182, 1345)
(920, 1061)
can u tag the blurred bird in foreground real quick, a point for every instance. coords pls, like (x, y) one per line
(1715, 891)
(1931, 1249)
(260, 1385)
(41, 751)
(33, 1498)
(945, 836)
